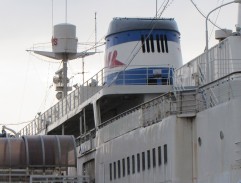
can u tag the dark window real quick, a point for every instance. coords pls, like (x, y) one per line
(147, 44)
(143, 161)
(119, 169)
(152, 44)
(162, 44)
(143, 44)
(138, 163)
(165, 154)
(148, 159)
(166, 45)
(110, 171)
(159, 155)
(133, 164)
(114, 170)
(123, 167)
(128, 166)
(154, 157)
(158, 43)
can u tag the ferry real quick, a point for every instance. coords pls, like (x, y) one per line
(144, 117)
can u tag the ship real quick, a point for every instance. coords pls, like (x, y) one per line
(144, 117)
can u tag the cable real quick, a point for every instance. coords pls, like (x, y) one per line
(44, 60)
(20, 123)
(215, 21)
(204, 15)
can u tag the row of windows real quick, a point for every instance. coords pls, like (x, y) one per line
(148, 43)
(137, 163)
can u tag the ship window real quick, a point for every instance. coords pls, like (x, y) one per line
(110, 171)
(119, 169)
(152, 43)
(154, 157)
(159, 156)
(158, 43)
(123, 167)
(162, 43)
(143, 161)
(165, 154)
(138, 163)
(143, 44)
(128, 166)
(133, 164)
(166, 45)
(147, 44)
(148, 159)
(114, 170)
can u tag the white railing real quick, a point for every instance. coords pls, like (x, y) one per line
(59, 179)
(87, 90)
(224, 89)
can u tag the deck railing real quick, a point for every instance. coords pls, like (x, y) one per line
(91, 87)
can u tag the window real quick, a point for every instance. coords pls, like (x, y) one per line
(110, 171)
(147, 43)
(165, 154)
(114, 170)
(123, 168)
(152, 43)
(159, 155)
(138, 163)
(162, 43)
(166, 45)
(143, 161)
(148, 159)
(133, 164)
(119, 169)
(154, 157)
(143, 44)
(128, 166)
(158, 43)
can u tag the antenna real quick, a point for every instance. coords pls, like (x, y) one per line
(66, 10)
(238, 26)
(52, 17)
(156, 8)
(95, 31)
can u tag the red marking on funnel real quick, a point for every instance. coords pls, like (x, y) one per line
(112, 60)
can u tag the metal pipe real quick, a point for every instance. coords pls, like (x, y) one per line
(206, 49)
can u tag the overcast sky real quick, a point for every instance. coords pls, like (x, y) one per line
(26, 80)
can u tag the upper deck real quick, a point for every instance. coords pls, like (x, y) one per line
(92, 90)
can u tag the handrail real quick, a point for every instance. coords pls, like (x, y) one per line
(79, 95)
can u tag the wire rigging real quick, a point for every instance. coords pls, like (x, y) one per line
(204, 15)
(215, 20)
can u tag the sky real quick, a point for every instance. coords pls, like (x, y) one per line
(26, 79)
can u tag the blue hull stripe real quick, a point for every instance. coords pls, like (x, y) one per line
(130, 36)
(141, 76)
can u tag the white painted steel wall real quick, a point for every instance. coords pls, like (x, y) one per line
(217, 158)
(224, 58)
(175, 132)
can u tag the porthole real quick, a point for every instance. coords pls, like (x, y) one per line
(199, 141)
(221, 135)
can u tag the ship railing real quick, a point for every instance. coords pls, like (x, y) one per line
(36, 176)
(225, 88)
(59, 179)
(185, 102)
(85, 137)
(194, 73)
(120, 116)
(87, 90)
(160, 107)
